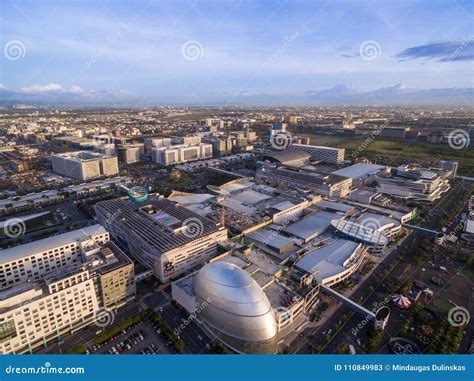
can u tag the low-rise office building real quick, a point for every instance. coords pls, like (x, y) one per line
(130, 153)
(181, 153)
(84, 165)
(413, 184)
(327, 185)
(161, 234)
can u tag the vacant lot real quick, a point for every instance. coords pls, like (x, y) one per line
(397, 152)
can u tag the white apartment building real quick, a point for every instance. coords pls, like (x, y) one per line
(188, 140)
(159, 142)
(84, 165)
(178, 154)
(321, 153)
(58, 284)
(106, 149)
(31, 314)
(130, 153)
(33, 260)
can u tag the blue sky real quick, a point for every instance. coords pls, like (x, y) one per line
(90, 49)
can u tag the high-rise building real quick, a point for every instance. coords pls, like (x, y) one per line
(58, 285)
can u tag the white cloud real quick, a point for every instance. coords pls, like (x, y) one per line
(37, 89)
(53, 92)
(76, 90)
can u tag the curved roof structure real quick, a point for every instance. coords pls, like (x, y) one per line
(330, 260)
(237, 309)
(288, 157)
(359, 232)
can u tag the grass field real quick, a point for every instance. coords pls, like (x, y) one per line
(443, 304)
(176, 184)
(398, 152)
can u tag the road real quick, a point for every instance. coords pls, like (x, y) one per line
(86, 335)
(312, 338)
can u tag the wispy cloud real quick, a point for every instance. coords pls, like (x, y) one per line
(57, 93)
(441, 51)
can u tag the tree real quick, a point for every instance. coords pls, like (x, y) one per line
(286, 350)
(217, 348)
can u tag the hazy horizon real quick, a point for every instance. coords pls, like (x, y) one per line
(233, 52)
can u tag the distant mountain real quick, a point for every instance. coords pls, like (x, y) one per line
(343, 94)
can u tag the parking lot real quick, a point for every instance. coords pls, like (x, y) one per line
(142, 338)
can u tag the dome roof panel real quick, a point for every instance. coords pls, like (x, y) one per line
(237, 306)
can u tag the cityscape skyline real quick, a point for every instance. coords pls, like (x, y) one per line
(205, 177)
(237, 53)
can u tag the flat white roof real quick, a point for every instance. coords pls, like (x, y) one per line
(312, 225)
(49, 243)
(281, 206)
(71, 188)
(271, 238)
(337, 206)
(251, 197)
(240, 185)
(194, 198)
(359, 170)
(470, 226)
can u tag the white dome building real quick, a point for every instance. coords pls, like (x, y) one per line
(237, 311)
